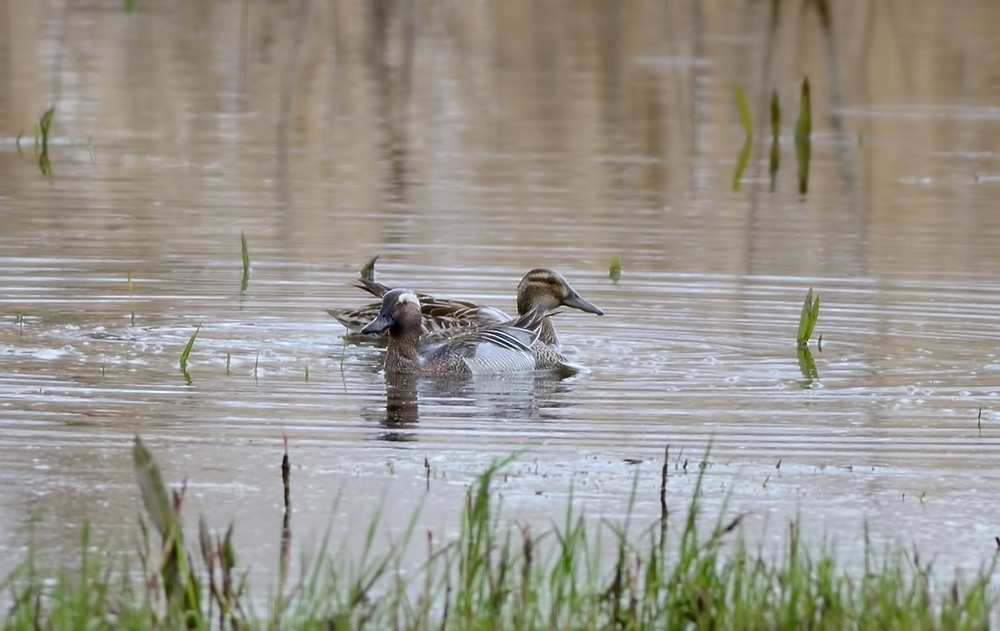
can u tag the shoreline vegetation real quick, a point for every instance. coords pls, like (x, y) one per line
(677, 575)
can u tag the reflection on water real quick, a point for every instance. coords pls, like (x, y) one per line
(487, 398)
(467, 143)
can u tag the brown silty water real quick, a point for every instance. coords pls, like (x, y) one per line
(467, 143)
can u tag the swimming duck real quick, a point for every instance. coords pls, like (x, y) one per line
(540, 288)
(503, 348)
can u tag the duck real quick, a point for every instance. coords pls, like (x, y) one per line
(502, 348)
(540, 288)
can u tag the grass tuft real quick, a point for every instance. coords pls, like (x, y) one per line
(807, 319)
(684, 571)
(615, 271)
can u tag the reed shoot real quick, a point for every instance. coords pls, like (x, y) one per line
(807, 319)
(187, 350)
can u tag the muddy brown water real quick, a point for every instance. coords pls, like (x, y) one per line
(466, 144)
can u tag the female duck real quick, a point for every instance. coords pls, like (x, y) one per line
(499, 349)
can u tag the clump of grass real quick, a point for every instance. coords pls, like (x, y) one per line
(688, 573)
(807, 319)
(246, 262)
(803, 137)
(615, 271)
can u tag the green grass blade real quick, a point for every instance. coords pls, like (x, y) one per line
(775, 115)
(615, 271)
(741, 162)
(803, 141)
(187, 349)
(775, 162)
(42, 141)
(246, 262)
(744, 109)
(154, 492)
(808, 317)
(807, 366)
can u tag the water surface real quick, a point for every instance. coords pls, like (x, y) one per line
(467, 144)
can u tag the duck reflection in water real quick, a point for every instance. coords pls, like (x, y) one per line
(401, 408)
(527, 398)
(497, 360)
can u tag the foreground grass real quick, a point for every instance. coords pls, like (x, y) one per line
(497, 576)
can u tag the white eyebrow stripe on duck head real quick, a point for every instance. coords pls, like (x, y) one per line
(408, 296)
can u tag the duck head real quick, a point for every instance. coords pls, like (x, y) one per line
(548, 290)
(399, 314)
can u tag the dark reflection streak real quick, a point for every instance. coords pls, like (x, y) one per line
(755, 222)
(392, 94)
(57, 71)
(402, 100)
(612, 95)
(401, 400)
(699, 95)
(287, 106)
(763, 110)
(896, 25)
(864, 56)
(244, 37)
(866, 165)
(5, 55)
(401, 408)
(842, 144)
(524, 397)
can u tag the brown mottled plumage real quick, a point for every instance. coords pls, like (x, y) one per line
(540, 288)
(503, 348)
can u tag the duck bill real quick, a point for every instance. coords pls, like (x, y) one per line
(380, 324)
(574, 300)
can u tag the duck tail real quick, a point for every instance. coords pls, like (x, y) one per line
(373, 287)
